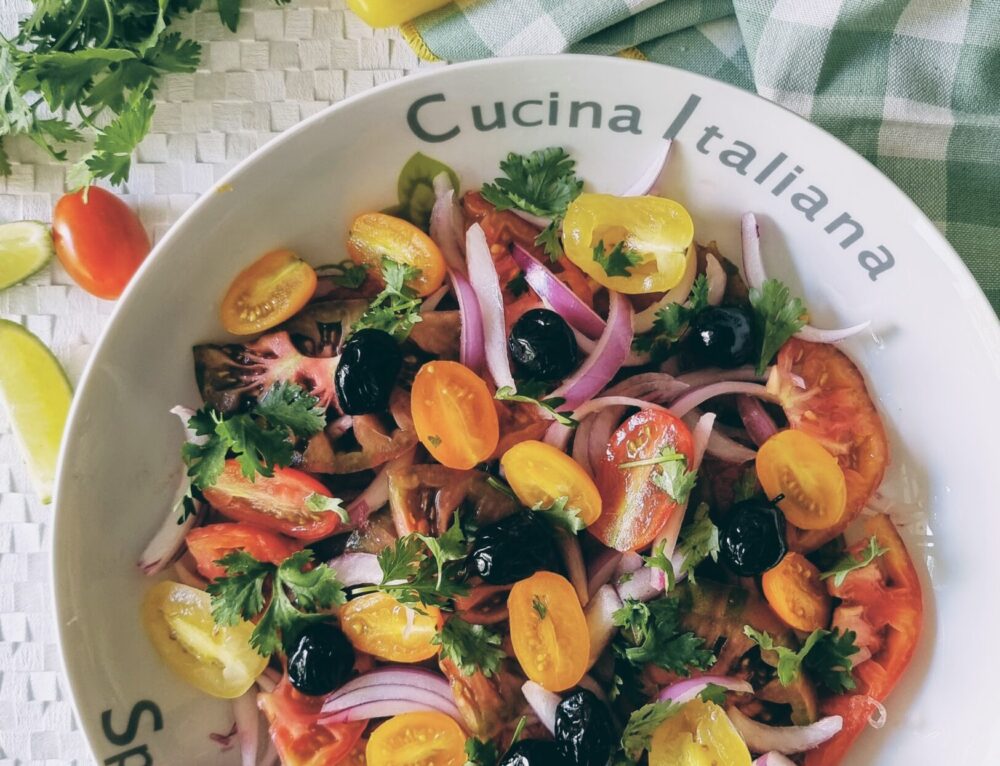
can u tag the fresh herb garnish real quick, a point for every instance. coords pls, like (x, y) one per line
(699, 540)
(824, 654)
(470, 647)
(412, 573)
(777, 317)
(745, 486)
(848, 563)
(509, 394)
(318, 503)
(450, 546)
(641, 725)
(713, 693)
(295, 596)
(659, 560)
(481, 753)
(652, 633)
(396, 309)
(345, 274)
(560, 515)
(618, 261)
(673, 477)
(518, 730)
(671, 322)
(542, 183)
(540, 608)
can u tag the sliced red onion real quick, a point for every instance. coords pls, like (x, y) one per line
(720, 445)
(540, 221)
(543, 702)
(634, 358)
(715, 275)
(643, 320)
(700, 434)
(761, 738)
(168, 542)
(709, 375)
(431, 301)
(760, 426)
(602, 569)
(773, 759)
(471, 352)
(383, 692)
(391, 706)
(247, 726)
(357, 569)
(689, 688)
(559, 297)
(815, 335)
(595, 405)
(389, 691)
(224, 741)
(395, 675)
(656, 387)
(376, 494)
(645, 583)
(646, 183)
(692, 399)
(600, 620)
(572, 557)
(629, 562)
(446, 235)
(559, 435)
(483, 277)
(602, 365)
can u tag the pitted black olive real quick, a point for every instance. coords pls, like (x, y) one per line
(535, 752)
(722, 336)
(368, 368)
(321, 660)
(513, 548)
(585, 730)
(542, 345)
(752, 537)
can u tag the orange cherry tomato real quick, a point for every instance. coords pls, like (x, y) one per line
(794, 464)
(834, 407)
(267, 292)
(379, 625)
(99, 240)
(276, 502)
(635, 509)
(453, 414)
(428, 739)
(209, 544)
(549, 631)
(541, 473)
(374, 236)
(796, 594)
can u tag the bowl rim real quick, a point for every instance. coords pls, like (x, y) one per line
(935, 240)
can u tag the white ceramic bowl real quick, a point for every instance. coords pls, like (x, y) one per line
(933, 362)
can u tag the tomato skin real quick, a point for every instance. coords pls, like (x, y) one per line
(298, 736)
(374, 236)
(211, 543)
(454, 415)
(541, 473)
(634, 509)
(796, 594)
(267, 292)
(277, 502)
(379, 625)
(430, 739)
(99, 240)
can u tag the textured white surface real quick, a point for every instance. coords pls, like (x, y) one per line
(282, 65)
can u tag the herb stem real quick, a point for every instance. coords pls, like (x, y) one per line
(73, 26)
(658, 460)
(111, 24)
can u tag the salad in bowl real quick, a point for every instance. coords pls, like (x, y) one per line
(532, 476)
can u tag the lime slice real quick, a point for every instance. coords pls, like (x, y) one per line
(25, 246)
(36, 393)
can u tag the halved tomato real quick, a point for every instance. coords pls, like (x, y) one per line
(540, 474)
(428, 739)
(276, 502)
(267, 292)
(635, 509)
(796, 594)
(834, 408)
(298, 735)
(211, 543)
(378, 624)
(486, 704)
(374, 236)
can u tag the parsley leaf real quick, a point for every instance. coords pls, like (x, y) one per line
(411, 576)
(470, 647)
(713, 693)
(509, 394)
(318, 503)
(560, 516)
(777, 317)
(652, 633)
(480, 753)
(396, 309)
(848, 563)
(618, 261)
(671, 322)
(673, 477)
(699, 540)
(345, 274)
(745, 487)
(451, 546)
(825, 654)
(287, 404)
(642, 723)
(296, 596)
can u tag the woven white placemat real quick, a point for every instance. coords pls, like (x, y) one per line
(283, 64)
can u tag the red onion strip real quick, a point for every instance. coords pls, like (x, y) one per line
(761, 738)
(168, 542)
(485, 283)
(431, 301)
(758, 423)
(689, 688)
(646, 183)
(572, 557)
(715, 275)
(815, 335)
(247, 726)
(376, 494)
(773, 759)
(357, 569)
(471, 352)
(644, 584)
(394, 675)
(720, 445)
(391, 706)
(445, 234)
(692, 399)
(600, 620)
(634, 358)
(558, 295)
(602, 568)
(543, 702)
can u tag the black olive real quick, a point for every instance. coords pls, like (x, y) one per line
(542, 345)
(321, 661)
(752, 537)
(368, 368)
(513, 548)
(536, 752)
(583, 726)
(722, 336)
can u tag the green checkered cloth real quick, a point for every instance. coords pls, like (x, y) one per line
(913, 85)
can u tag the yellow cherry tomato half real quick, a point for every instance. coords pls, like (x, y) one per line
(653, 232)
(379, 625)
(454, 414)
(549, 631)
(267, 292)
(699, 734)
(216, 659)
(541, 474)
(427, 739)
(374, 236)
(794, 464)
(795, 592)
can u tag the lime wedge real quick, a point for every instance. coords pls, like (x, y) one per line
(25, 246)
(36, 393)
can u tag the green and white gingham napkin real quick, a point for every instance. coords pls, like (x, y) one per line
(913, 85)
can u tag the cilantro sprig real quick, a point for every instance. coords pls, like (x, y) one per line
(560, 514)
(617, 261)
(471, 647)
(296, 596)
(550, 405)
(652, 633)
(825, 654)
(673, 476)
(345, 274)
(671, 322)
(848, 563)
(481, 752)
(396, 309)
(777, 317)
(542, 183)
(699, 540)
(638, 732)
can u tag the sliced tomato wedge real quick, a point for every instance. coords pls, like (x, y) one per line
(278, 502)
(834, 408)
(298, 735)
(211, 543)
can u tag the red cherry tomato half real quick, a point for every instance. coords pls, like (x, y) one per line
(99, 240)
(277, 502)
(211, 543)
(635, 509)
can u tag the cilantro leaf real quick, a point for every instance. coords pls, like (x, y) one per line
(111, 156)
(559, 515)
(396, 309)
(745, 487)
(509, 394)
(659, 560)
(480, 753)
(699, 540)
(713, 693)
(451, 546)
(777, 317)
(548, 239)
(618, 261)
(673, 477)
(652, 633)
(848, 563)
(638, 732)
(318, 503)
(470, 647)
(345, 274)
(671, 322)
(824, 653)
(287, 404)
(412, 576)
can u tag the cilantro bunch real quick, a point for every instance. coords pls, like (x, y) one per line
(825, 654)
